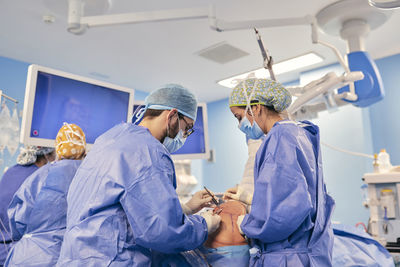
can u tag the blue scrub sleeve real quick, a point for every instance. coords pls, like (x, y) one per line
(156, 217)
(281, 201)
(22, 205)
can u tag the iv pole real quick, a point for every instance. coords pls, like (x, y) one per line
(7, 97)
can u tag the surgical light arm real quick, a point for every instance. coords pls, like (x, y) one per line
(322, 87)
(351, 96)
(222, 25)
(310, 111)
(267, 58)
(78, 23)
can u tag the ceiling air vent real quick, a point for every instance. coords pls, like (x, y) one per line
(222, 53)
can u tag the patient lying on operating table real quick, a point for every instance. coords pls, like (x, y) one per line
(226, 246)
(228, 233)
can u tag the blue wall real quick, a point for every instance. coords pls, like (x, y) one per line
(229, 145)
(139, 95)
(385, 123)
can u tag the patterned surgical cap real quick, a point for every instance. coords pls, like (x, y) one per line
(267, 92)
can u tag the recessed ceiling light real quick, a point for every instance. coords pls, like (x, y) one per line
(279, 68)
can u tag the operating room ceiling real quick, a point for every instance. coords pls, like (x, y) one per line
(148, 55)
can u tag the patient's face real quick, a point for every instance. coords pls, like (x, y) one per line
(228, 233)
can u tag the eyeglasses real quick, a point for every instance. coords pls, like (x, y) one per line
(188, 130)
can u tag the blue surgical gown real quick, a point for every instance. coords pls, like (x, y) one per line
(38, 213)
(290, 215)
(9, 184)
(232, 256)
(122, 204)
(354, 247)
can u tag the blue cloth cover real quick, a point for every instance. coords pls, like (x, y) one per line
(353, 247)
(233, 256)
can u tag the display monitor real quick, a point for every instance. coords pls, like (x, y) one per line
(196, 145)
(53, 97)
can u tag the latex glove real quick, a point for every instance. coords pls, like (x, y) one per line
(239, 222)
(199, 200)
(212, 220)
(238, 193)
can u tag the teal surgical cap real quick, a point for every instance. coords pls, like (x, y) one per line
(266, 92)
(173, 96)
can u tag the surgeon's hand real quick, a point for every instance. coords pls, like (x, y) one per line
(212, 219)
(230, 192)
(199, 200)
(239, 222)
(238, 193)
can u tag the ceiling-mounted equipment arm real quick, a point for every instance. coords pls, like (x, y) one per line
(267, 58)
(222, 25)
(315, 40)
(146, 16)
(310, 111)
(75, 12)
(323, 86)
(351, 95)
(78, 23)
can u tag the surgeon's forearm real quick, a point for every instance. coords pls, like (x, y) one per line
(185, 209)
(172, 238)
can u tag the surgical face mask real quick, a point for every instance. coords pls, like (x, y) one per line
(173, 144)
(252, 131)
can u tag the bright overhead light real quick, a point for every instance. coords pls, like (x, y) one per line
(279, 68)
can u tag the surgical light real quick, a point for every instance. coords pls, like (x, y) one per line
(279, 68)
(385, 4)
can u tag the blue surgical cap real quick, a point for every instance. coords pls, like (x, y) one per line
(173, 96)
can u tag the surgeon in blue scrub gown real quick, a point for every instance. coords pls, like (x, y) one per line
(38, 209)
(29, 160)
(122, 203)
(289, 221)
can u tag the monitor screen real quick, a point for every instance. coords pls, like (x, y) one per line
(196, 145)
(57, 98)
